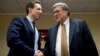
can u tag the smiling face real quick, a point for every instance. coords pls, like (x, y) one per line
(36, 11)
(60, 14)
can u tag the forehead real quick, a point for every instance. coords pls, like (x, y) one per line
(37, 5)
(57, 8)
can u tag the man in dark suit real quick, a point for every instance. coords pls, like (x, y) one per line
(79, 41)
(22, 35)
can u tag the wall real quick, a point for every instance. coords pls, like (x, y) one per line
(46, 21)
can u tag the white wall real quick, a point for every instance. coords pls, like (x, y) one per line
(92, 19)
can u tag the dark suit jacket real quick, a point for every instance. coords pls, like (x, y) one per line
(20, 38)
(80, 40)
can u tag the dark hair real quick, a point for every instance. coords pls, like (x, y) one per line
(31, 5)
(64, 6)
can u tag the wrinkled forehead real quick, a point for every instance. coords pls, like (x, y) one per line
(61, 4)
(58, 8)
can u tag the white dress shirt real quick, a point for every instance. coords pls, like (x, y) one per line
(36, 35)
(58, 40)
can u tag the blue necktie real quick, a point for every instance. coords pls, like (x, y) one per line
(33, 26)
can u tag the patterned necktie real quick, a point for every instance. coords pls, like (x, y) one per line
(64, 51)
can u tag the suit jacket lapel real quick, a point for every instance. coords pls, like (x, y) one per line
(71, 31)
(28, 24)
(54, 36)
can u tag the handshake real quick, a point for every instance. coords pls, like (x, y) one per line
(42, 45)
(38, 53)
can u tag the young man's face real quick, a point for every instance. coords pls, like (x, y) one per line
(36, 11)
(60, 14)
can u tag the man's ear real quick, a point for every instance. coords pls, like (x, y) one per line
(30, 9)
(67, 12)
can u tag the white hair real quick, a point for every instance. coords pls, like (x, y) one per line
(64, 6)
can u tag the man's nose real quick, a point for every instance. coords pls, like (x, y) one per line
(55, 14)
(41, 11)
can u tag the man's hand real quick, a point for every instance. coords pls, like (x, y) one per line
(38, 53)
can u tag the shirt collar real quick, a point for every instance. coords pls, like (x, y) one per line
(66, 21)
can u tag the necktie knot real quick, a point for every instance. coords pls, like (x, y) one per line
(62, 24)
(33, 23)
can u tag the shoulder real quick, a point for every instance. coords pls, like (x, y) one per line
(77, 21)
(16, 21)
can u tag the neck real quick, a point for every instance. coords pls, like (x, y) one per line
(31, 17)
(63, 20)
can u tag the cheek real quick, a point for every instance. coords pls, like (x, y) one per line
(60, 15)
(35, 13)
(63, 15)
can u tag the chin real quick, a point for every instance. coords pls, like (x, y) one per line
(37, 18)
(57, 21)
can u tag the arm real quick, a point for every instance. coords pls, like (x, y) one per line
(90, 47)
(14, 38)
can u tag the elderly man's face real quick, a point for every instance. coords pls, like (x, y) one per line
(60, 14)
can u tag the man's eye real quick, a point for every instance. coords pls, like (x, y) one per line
(56, 12)
(38, 9)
